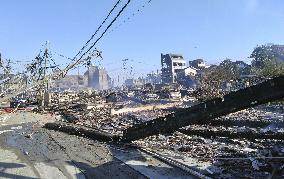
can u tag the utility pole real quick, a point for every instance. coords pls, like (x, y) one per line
(45, 67)
(45, 96)
(78, 77)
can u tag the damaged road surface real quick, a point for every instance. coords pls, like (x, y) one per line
(29, 151)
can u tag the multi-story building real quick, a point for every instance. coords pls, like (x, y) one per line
(172, 64)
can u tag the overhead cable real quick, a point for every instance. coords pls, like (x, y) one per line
(92, 46)
(87, 43)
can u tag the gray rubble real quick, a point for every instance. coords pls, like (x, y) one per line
(239, 154)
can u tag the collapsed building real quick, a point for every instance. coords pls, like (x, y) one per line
(95, 77)
(216, 142)
(98, 78)
(220, 138)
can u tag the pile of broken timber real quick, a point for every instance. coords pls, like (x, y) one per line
(202, 113)
(267, 91)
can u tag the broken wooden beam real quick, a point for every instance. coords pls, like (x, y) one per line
(83, 131)
(231, 134)
(267, 91)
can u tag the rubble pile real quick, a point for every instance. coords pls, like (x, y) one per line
(248, 143)
(94, 108)
(94, 111)
(83, 109)
(116, 124)
(231, 156)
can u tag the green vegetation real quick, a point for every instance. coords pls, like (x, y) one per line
(270, 69)
(268, 61)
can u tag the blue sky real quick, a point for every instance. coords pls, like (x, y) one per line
(209, 29)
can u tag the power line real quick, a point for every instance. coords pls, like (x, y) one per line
(111, 23)
(71, 65)
(87, 43)
(139, 10)
(107, 28)
(63, 56)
